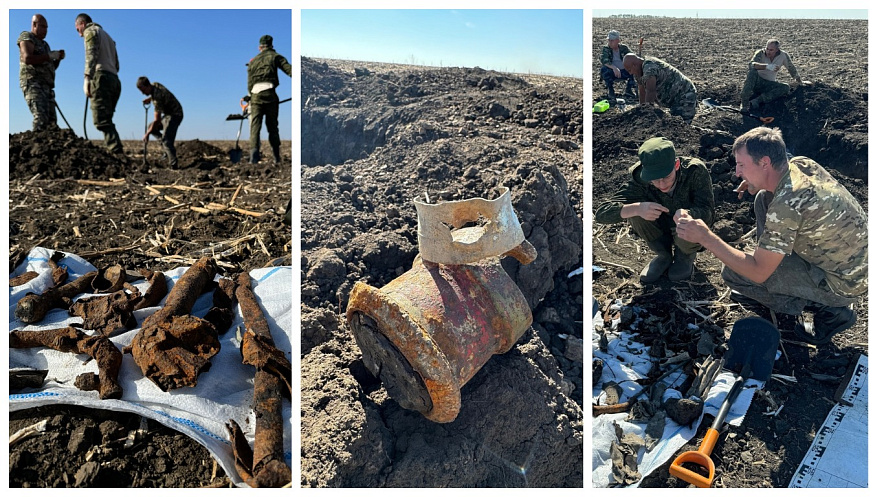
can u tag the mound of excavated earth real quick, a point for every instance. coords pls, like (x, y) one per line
(374, 138)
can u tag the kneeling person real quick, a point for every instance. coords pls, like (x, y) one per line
(662, 186)
(813, 244)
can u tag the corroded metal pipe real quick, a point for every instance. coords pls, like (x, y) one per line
(426, 333)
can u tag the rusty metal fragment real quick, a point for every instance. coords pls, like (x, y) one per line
(444, 237)
(26, 378)
(427, 332)
(242, 452)
(23, 278)
(155, 292)
(59, 273)
(107, 314)
(272, 382)
(109, 279)
(33, 308)
(70, 339)
(173, 348)
(221, 313)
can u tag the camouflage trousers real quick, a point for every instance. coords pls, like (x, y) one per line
(41, 102)
(105, 89)
(170, 129)
(269, 112)
(686, 106)
(662, 229)
(794, 285)
(767, 90)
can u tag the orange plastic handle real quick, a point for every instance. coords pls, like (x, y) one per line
(699, 457)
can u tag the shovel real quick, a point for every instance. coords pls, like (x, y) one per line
(236, 153)
(752, 348)
(709, 102)
(144, 152)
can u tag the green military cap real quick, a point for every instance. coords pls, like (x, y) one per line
(266, 41)
(657, 157)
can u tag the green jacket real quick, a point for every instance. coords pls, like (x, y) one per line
(164, 102)
(692, 191)
(263, 69)
(608, 54)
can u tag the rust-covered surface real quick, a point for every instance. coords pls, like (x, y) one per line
(446, 321)
(107, 314)
(70, 339)
(32, 308)
(173, 348)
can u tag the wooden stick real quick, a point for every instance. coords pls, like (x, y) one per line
(235, 194)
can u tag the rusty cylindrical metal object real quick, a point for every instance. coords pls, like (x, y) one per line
(426, 333)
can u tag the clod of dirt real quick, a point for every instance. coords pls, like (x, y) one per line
(683, 411)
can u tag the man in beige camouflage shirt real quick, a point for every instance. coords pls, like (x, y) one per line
(813, 244)
(661, 84)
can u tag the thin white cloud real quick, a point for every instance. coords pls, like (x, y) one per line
(469, 25)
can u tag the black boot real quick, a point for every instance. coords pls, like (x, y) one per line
(658, 265)
(683, 265)
(276, 157)
(254, 156)
(630, 92)
(612, 97)
(827, 322)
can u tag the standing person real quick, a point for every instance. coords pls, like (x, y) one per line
(813, 245)
(761, 81)
(659, 187)
(612, 66)
(660, 83)
(167, 116)
(101, 83)
(36, 72)
(263, 101)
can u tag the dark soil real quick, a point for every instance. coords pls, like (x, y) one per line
(374, 137)
(60, 198)
(826, 121)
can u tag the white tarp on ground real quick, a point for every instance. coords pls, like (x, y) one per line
(223, 392)
(625, 361)
(839, 455)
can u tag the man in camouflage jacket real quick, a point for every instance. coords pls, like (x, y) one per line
(167, 116)
(659, 187)
(612, 66)
(263, 101)
(761, 81)
(36, 73)
(812, 252)
(660, 83)
(101, 82)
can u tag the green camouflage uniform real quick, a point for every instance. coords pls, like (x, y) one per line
(823, 232)
(102, 66)
(607, 56)
(674, 89)
(168, 106)
(758, 82)
(692, 191)
(37, 82)
(265, 105)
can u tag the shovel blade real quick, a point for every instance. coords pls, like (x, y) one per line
(752, 348)
(235, 155)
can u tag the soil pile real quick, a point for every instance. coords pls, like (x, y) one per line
(826, 121)
(70, 194)
(374, 138)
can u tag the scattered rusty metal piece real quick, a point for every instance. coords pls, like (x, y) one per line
(87, 382)
(59, 273)
(107, 314)
(173, 348)
(23, 278)
(109, 279)
(438, 242)
(242, 452)
(26, 378)
(70, 339)
(155, 292)
(272, 376)
(221, 313)
(33, 308)
(432, 328)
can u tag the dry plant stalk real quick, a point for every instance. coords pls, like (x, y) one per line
(71, 339)
(273, 374)
(173, 348)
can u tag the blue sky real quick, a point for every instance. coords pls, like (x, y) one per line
(199, 55)
(537, 41)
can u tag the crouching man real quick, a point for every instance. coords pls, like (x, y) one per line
(812, 249)
(660, 187)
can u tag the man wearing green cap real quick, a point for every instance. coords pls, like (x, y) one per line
(263, 101)
(660, 188)
(813, 238)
